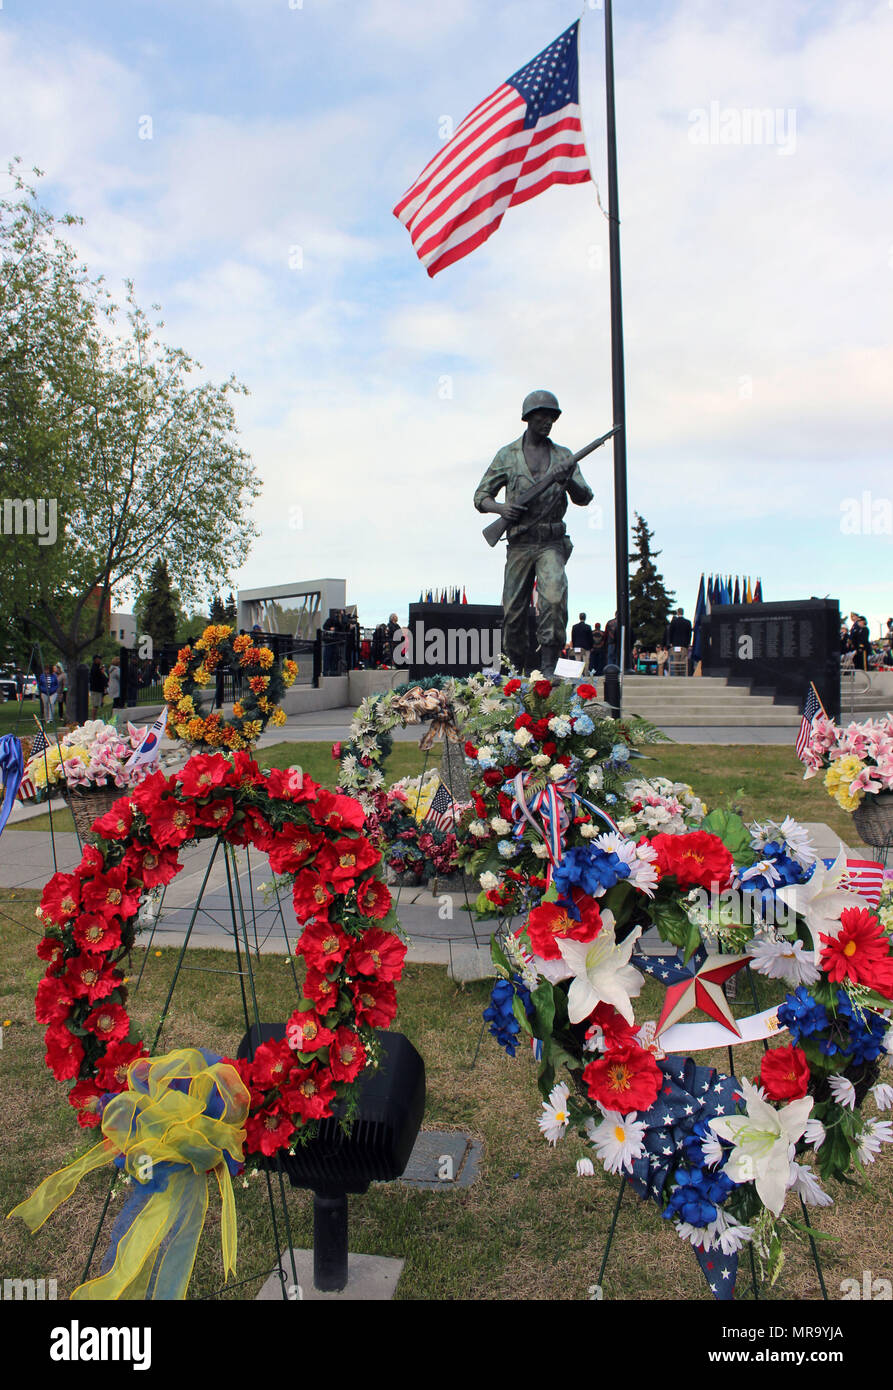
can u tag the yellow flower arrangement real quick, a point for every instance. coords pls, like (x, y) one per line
(838, 779)
(218, 650)
(279, 718)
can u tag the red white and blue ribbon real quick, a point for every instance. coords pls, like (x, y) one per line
(549, 811)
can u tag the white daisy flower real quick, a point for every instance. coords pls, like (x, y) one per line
(804, 1182)
(883, 1096)
(585, 1168)
(843, 1091)
(619, 1140)
(725, 1232)
(814, 1134)
(881, 1130)
(555, 1119)
(783, 960)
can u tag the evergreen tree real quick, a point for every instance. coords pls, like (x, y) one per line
(157, 611)
(218, 611)
(231, 609)
(650, 601)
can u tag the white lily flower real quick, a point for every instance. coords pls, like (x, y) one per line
(762, 1139)
(821, 900)
(602, 972)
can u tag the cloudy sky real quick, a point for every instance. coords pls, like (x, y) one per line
(239, 159)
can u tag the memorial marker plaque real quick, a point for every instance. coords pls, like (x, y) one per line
(450, 639)
(778, 646)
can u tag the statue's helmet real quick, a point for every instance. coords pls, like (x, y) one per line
(539, 400)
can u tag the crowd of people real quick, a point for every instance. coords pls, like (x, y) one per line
(866, 654)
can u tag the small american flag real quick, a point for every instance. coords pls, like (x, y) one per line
(812, 708)
(527, 135)
(444, 812)
(866, 877)
(27, 790)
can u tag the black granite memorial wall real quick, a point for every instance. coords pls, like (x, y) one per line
(779, 647)
(450, 639)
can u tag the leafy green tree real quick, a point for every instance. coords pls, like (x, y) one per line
(113, 426)
(157, 611)
(650, 600)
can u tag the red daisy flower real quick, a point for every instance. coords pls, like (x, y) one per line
(269, 1130)
(378, 953)
(109, 1022)
(347, 1056)
(113, 1066)
(613, 1027)
(696, 859)
(323, 945)
(373, 898)
(88, 977)
(375, 1002)
(295, 846)
(784, 1073)
(95, 933)
(310, 895)
(272, 1065)
(64, 1053)
(54, 1000)
(305, 1033)
(61, 898)
(85, 1098)
(624, 1080)
(550, 921)
(150, 865)
(51, 949)
(310, 1094)
(117, 822)
(108, 895)
(860, 952)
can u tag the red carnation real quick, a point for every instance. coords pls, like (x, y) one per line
(470, 750)
(860, 952)
(550, 922)
(373, 898)
(784, 1073)
(109, 1022)
(322, 945)
(64, 1052)
(543, 688)
(540, 729)
(624, 1080)
(493, 777)
(375, 1002)
(697, 859)
(347, 1056)
(379, 953)
(511, 687)
(550, 749)
(117, 822)
(524, 720)
(587, 691)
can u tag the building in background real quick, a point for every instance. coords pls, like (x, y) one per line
(296, 610)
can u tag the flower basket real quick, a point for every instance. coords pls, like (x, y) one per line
(873, 818)
(85, 806)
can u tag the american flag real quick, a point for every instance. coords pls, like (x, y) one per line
(444, 812)
(812, 708)
(27, 791)
(866, 877)
(527, 135)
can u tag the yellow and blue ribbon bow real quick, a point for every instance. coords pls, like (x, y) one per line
(181, 1118)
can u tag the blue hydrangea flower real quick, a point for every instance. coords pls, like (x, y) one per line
(500, 1014)
(594, 870)
(802, 1015)
(583, 724)
(697, 1195)
(866, 1029)
(620, 753)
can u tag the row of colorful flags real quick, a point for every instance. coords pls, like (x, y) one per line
(721, 590)
(451, 595)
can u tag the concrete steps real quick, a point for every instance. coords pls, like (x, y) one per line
(708, 701)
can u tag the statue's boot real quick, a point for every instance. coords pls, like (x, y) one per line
(550, 655)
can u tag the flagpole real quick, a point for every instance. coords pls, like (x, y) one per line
(621, 523)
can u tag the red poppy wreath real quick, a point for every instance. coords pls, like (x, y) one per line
(353, 958)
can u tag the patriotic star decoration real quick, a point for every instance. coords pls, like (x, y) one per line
(700, 987)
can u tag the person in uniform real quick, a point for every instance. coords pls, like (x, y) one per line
(538, 544)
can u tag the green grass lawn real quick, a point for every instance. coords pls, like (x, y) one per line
(528, 1228)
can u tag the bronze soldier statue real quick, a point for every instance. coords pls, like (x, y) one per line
(538, 544)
